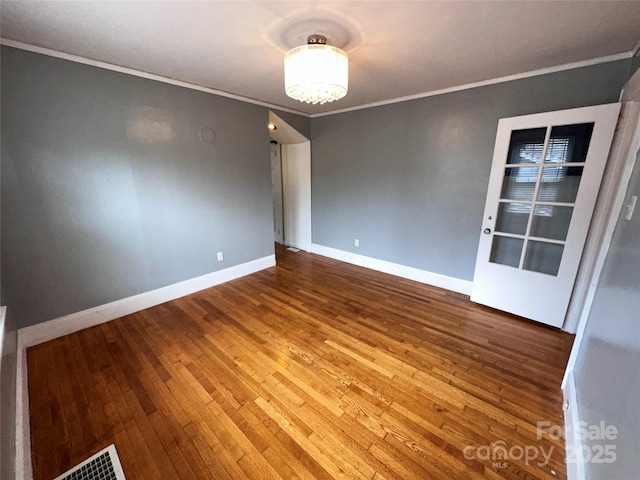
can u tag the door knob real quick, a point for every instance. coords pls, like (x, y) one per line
(487, 231)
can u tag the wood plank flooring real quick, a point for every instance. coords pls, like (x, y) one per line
(312, 369)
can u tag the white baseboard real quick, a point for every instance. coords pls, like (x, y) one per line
(411, 273)
(43, 332)
(575, 470)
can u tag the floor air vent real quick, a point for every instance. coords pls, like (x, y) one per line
(104, 465)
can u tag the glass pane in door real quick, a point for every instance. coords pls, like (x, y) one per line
(551, 221)
(526, 146)
(543, 257)
(519, 183)
(506, 250)
(569, 143)
(538, 204)
(559, 184)
(513, 218)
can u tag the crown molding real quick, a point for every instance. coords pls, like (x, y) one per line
(483, 83)
(139, 73)
(431, 93)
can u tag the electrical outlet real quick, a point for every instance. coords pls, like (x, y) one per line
(356, 243)
(220, 257)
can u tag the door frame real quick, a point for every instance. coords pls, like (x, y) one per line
(295, 158)
(617, 174)
(296, 188)
(625, 152)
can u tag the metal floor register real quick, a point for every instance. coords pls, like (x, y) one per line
(104, 465)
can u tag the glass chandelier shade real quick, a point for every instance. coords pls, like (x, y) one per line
(316, 73)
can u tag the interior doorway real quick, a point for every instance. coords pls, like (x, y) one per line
(294, 152)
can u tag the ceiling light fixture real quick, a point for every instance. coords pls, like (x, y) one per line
(272, 126)
(316, 72)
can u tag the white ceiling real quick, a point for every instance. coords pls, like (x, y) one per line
(396, 48)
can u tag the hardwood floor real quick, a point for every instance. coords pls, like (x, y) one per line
(311, 369)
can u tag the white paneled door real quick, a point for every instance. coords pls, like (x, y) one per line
(544, 181)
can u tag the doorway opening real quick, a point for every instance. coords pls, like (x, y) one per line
(291, 185)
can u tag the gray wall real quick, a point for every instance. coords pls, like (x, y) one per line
(108, 190)
(607, 371)
(409, 180)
